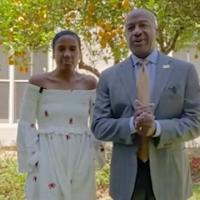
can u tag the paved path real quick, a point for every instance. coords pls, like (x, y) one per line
(8, 134)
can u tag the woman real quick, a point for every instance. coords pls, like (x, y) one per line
(59, 154)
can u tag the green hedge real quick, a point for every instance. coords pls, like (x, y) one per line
(12, 183)
(102, 177)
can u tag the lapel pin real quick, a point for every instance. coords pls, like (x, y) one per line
(166, 66)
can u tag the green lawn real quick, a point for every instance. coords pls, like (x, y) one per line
(196, 193)
(12, 183)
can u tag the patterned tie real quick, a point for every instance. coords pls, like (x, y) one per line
(143, 95)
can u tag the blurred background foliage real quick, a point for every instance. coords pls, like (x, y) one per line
(31, 25)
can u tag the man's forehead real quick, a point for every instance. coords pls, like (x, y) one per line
(137, 20)
(141, 15)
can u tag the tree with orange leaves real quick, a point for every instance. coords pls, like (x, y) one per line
(30, 25)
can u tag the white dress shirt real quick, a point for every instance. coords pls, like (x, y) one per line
(151, 66)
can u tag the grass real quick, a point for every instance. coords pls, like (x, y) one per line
(196, 192)
(12, 183)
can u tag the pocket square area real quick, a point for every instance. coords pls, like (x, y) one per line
(173, 89)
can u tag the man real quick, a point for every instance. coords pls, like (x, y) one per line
(164, 119)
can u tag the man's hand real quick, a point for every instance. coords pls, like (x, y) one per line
(144, 119)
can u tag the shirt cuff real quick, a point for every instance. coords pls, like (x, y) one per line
(131, 125)
(158, 129)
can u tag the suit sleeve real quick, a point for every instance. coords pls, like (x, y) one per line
(186, 127)
(27, 135)
(105, 126)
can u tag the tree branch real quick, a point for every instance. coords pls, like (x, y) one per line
(160, 40)
(172, 43)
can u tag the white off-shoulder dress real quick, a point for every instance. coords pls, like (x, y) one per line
(55, 145)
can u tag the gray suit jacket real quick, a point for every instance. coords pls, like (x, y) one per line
(177, 108)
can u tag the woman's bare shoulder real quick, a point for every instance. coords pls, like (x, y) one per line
(39, 79)
(90, 81)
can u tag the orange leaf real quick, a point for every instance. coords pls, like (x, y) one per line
(125, 4)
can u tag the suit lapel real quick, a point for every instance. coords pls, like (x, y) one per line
(128, 80)
(163, 70)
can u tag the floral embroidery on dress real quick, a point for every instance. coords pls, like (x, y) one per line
(102, 148)
(35, 178)
(36, 164)
(32, 125)
(70, 121)
(51, 186)
(46, 113)
(67, 137)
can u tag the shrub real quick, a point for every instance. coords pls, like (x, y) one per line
(11, 182)
(102, 176)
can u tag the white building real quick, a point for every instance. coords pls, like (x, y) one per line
(12, 83)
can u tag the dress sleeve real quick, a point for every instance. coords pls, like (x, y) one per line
(27, 135)
(99, 146)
